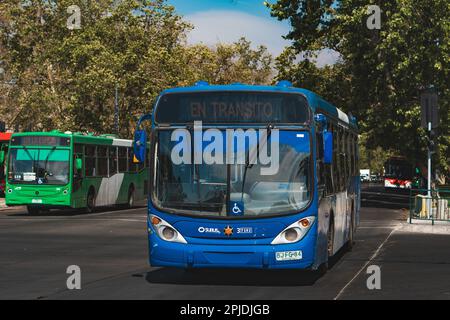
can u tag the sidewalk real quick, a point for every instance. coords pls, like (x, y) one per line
(414, 264)
(426, 226)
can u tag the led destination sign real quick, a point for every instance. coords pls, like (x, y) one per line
(232, 107)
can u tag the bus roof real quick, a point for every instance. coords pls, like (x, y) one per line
(316, 102)
(79, 137)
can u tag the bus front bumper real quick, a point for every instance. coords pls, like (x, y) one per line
(169, 254)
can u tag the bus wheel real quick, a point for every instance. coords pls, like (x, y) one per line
(130, 202)
(90, 202)
(323, 268)
(33, 210)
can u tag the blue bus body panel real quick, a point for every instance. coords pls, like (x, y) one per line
(244, 251)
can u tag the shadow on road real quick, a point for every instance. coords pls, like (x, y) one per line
(238, 277)
(70, 212)
(232, 277)
(377, 197)
(383, 205)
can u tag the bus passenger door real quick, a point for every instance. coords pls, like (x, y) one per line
(78, 196)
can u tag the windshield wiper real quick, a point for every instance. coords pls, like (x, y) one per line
(46, 160)
(248, 164)
(195, 169)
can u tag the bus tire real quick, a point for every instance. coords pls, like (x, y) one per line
(33, 210)
(90, 201)
(322, 269)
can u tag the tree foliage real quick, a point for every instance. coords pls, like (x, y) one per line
(57, 78)
(381, 72)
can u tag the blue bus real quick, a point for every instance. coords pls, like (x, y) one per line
(246, 176)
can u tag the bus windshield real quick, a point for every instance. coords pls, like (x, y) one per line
(39, 166)
(213, 189)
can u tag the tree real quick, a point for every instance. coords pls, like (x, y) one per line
(381, 72)
(228, 63)
(65, 78)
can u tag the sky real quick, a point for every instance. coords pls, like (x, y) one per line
(227, 20)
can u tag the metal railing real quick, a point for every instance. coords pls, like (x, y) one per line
(432, 205)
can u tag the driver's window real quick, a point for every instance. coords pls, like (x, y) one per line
(77, 173)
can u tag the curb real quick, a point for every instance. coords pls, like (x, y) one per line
(443, 228)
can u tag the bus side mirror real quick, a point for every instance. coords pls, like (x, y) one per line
(2, 156)
(140, 145)
(140, 140)
(327, 147)
(78, 163)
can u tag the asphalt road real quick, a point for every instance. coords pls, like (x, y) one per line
(110, 248)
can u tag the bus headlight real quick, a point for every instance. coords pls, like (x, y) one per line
(165, 231)
(295, 232)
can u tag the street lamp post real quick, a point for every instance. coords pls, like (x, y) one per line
(429, 108)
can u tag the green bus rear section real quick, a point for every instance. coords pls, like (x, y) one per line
(110, 189)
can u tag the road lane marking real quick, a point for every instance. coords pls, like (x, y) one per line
(375, 254)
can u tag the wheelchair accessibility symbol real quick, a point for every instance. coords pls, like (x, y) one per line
(237, 208)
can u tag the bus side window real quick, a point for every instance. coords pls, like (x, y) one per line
(102, 161)
(350, 154)
(77, 173)
(335, 170)
(131, 165)
(89, 165)
(344, 158)
(112, 151)
(351, 164)
(123, 160)
(319, 160)
(78, 148)
(77, 154)
(342, 162)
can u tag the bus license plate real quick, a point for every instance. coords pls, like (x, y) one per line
(289, 255)
(36, 201)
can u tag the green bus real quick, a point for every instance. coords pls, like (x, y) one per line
(50, 170)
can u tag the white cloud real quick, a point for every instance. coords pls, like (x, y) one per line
(326, 57)
(227, 26)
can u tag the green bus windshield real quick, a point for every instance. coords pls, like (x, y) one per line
(39, 166)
